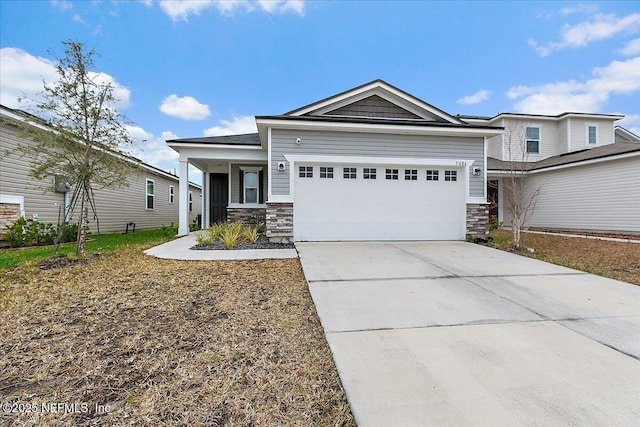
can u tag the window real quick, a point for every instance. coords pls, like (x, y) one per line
(171, 194)
(251, 187)
(369, 173)
(533, 139)
(391, 174)
(326, 172)
(450, 175)
(592, 134)
(349, 173)
(151, 194)
(432, 175)
(190, 201)
(410, 174)
(306, 171)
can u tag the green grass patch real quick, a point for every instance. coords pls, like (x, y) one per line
(11, 258)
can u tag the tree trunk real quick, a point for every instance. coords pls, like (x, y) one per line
(516, 227)
(83, 223)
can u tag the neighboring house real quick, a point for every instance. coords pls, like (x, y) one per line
(587, 170)
(150, 201)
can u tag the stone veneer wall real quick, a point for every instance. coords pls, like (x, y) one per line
(246, 215)
(477, 219)
(280, 221)
(9, 213)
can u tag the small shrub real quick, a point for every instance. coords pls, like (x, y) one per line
(33, 233)
(250, 234)
(216, 229)
(203, 238)
(495, 225)
(230, 235)
(170, 230)
(15, 233)
(67, 233)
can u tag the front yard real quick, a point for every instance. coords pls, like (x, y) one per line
(158, 342)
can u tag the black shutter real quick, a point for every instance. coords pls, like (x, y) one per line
(241, 186)
(261, 186)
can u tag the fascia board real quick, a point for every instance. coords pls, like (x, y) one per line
(356, 160)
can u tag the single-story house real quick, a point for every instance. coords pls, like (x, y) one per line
(150, 201)
(371, 163)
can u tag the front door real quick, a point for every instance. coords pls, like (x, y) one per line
(492, 198)
(218, 197)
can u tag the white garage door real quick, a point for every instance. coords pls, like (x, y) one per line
(379, 202)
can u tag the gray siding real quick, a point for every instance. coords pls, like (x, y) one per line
(235, 182)
(115, 207)
(374, 106)
(372, 145)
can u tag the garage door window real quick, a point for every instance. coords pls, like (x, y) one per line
(450, 175)
(306, 171)
(349, 173)
(432, 175)
(369, 173)
(411, 174)
(391, 174)
(326, 172)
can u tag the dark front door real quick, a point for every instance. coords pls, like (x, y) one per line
(492, 198)
(218, 197)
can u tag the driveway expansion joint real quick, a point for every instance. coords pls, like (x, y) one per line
(452, 276)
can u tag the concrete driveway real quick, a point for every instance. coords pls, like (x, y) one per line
(451, 333)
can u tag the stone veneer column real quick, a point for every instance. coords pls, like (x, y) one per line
(477, 220)
(280, 221)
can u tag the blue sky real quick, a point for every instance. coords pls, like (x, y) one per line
(193, 68)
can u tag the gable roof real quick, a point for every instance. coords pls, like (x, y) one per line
(626, 134)
(379, 88)
(609, 150)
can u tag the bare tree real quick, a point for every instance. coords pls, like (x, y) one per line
(84, 136)
(520, 199)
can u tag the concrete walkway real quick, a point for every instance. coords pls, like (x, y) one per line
(180, 249)
(456, 334)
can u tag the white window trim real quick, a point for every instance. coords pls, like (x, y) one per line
(146, 193)
(539, 127)
(190, 201)
(172, 194)
(586, 134)
(245, 170)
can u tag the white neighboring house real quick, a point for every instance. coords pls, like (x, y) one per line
(586, 167)
(150, 201)
(376, 163)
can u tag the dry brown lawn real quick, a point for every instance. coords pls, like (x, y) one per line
(616, 260)
(161, 342)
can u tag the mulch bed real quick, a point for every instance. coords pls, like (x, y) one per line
(261, 243)
(164, 342)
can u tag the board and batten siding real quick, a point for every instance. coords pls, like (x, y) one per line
(372, 145)
(601, 196)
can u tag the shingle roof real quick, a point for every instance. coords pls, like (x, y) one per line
(608, 150)
(244, 139)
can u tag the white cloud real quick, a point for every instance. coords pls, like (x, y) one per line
(579, 8)
(600, 28)
(181, 9)
(239, 125)
(619, 77)
(476, 98)
(62, 5)
(631, 48)
(186, 107)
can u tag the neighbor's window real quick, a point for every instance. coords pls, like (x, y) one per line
(391, 174)
(349, 173)
(411, 174)
(151, 193)
(592, 134)
(171, 194)
(369, 173)
(533, 139)
(450, 175)
(251, 187)
(190, 201)
(432, 175)
(326, 172)
(306, 171)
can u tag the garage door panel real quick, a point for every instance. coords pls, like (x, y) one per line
(328, 209)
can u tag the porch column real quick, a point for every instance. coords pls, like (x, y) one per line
(205, 200)
(183, 206)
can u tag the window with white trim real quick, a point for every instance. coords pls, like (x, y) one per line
(592, 134)
(411, 174)
(251, 188)
(349, 173)
(326, 172)
(151, 194)
(391, 174)
(369, 173)
(190, 201)
(432, 175)
(171, 194)
(305, 171)
(450, 175)
(533, 139)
